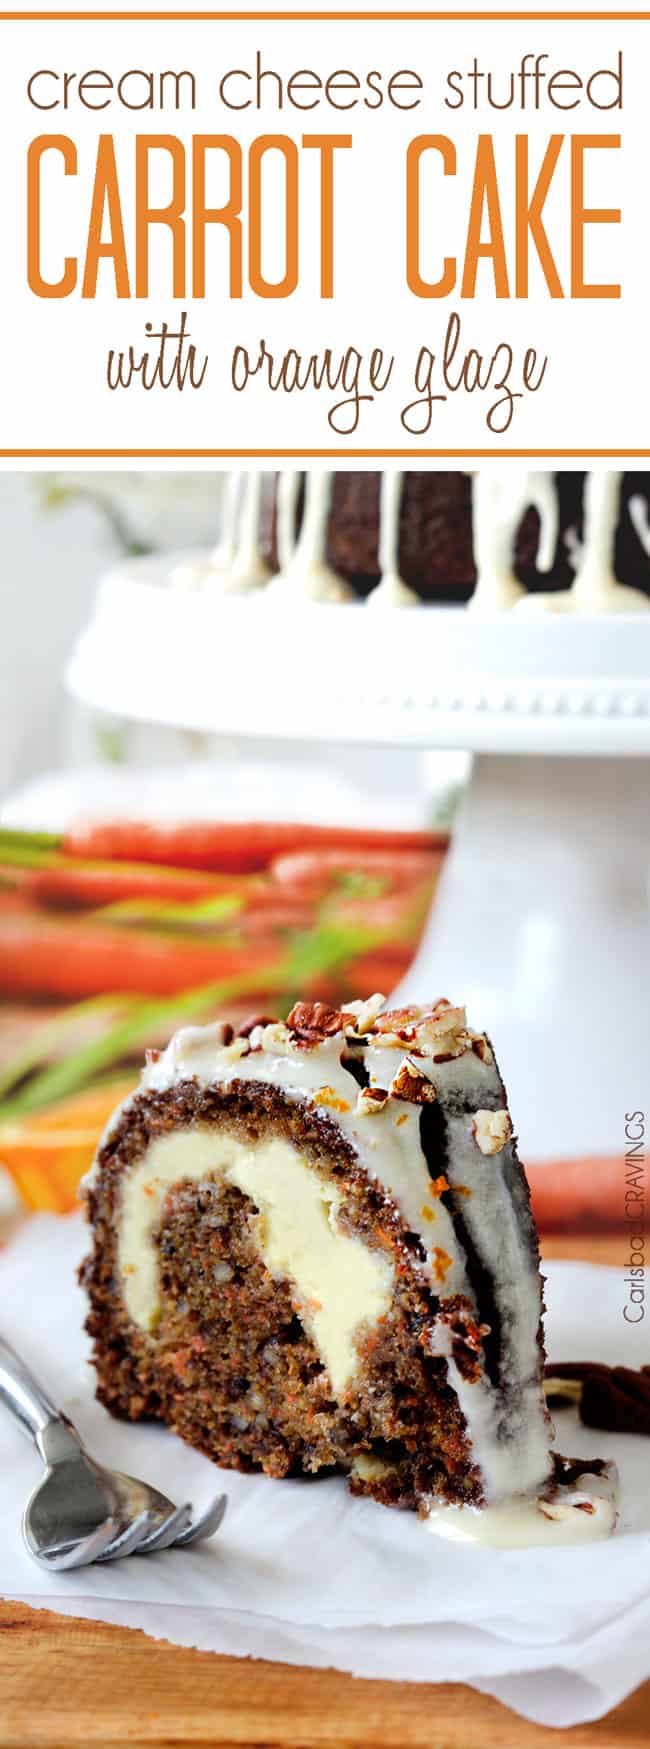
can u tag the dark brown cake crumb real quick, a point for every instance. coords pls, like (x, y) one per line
(230, 1366)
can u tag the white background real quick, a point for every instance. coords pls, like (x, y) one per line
(596, 389)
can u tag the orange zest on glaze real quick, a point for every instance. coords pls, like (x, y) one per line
(427, 1213)
(441, 1262)
(327, 1096)
(401, 1119)
(439, 1184)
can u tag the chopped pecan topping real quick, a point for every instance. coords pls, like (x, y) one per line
(424, 1028)
(401, 1021)
(409, 1083)
(492, 1129)
(273, 1037)
(312, 1021)
(616, 1398)
(407, 1022)
(252, 1020)
(364, 1014)
(370, 1100)
(442, 1024)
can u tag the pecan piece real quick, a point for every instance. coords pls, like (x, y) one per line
(316, 1020)
(370, 1100)
(492, 1129)
(409, 1083)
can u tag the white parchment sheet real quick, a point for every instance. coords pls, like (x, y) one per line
(302, 1572)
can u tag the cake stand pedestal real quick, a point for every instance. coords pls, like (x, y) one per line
(541, 926)
(541, 921)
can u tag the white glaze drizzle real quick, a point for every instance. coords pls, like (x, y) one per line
(595, 588)
(287, 499)
(307, 575)
(495, 1215)
(595, 574)
(498, 503)
(640, 520)
(573, 545)
(248, 568)
(224, 554)
(391, 590)
(569, 1514)
(237, 564)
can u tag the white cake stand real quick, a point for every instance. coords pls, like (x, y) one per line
(541, 921)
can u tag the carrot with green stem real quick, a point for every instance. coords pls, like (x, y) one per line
(39, 957)
(50, 877)
(53, 1036)
(141, 1021)
(233, 846)
(311, 960)
(323, 871)
(254, 910)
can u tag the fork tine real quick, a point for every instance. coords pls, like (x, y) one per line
(128, 1541)
(83, 1553)
(205, 1526)
(167, 1531)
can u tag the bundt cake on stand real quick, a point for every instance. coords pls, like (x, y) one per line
(516, 627)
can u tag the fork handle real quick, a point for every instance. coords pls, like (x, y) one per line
(34, 1411)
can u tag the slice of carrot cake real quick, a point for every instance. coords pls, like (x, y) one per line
(313, 1250)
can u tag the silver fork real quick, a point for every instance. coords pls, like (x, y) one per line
(81, 1512)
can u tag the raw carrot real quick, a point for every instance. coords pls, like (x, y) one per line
(269, 919)
(230, 845)
(578, 1195)
(397, 917)
(47, 1155)
(67, 883)
(14, 904)
(142, 1021)
(47, 958)
(316, 871)
(308, 962)
(254, 913)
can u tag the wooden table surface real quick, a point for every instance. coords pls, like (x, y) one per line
(66, 1683)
